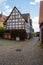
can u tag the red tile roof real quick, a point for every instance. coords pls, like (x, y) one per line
(2, 18)
(41, 12)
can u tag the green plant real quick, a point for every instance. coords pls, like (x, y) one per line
(2, 31)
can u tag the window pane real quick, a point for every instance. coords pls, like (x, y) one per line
(19, 25)
(7, 20)
(10, 24)
(19, 22)
(14, 26)
(16, 16)
(22, 23)
(16, 13)
(16, 23)
(22, 19)
(16, 19)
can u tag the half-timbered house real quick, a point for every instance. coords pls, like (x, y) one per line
(17, 25)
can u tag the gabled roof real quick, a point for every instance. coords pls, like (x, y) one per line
(41, 12)
(26, 16)
(11, 13)
(2, 18)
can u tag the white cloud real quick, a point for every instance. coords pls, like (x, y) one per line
(32, 3)
(35, 23)
(35, 2)
(7, 7)
(7, 11)
(2, 0)
(2, 3)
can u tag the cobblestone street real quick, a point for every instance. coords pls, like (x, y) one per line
(25, 54)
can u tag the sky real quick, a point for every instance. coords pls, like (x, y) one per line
(24, 6)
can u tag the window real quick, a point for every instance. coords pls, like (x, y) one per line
(16, 13)
(16, 19)
(22, 19)
(13, 23)
(7, 20)
(13, 17)
(19, 25)
(16, 16)
(19, 22)
(22, 23)
(13, 20)
(10, 20)
(22, 26)
(8, 24)
(16, 25)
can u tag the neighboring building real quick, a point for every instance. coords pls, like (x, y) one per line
(41, 22)
(29, 28)
(2, 19)
(17, 25)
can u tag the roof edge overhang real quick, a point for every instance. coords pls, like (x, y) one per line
(11, 13)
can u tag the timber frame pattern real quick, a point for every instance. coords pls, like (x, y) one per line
(15, 25)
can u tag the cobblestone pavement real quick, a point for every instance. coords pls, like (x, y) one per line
(27, 54)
